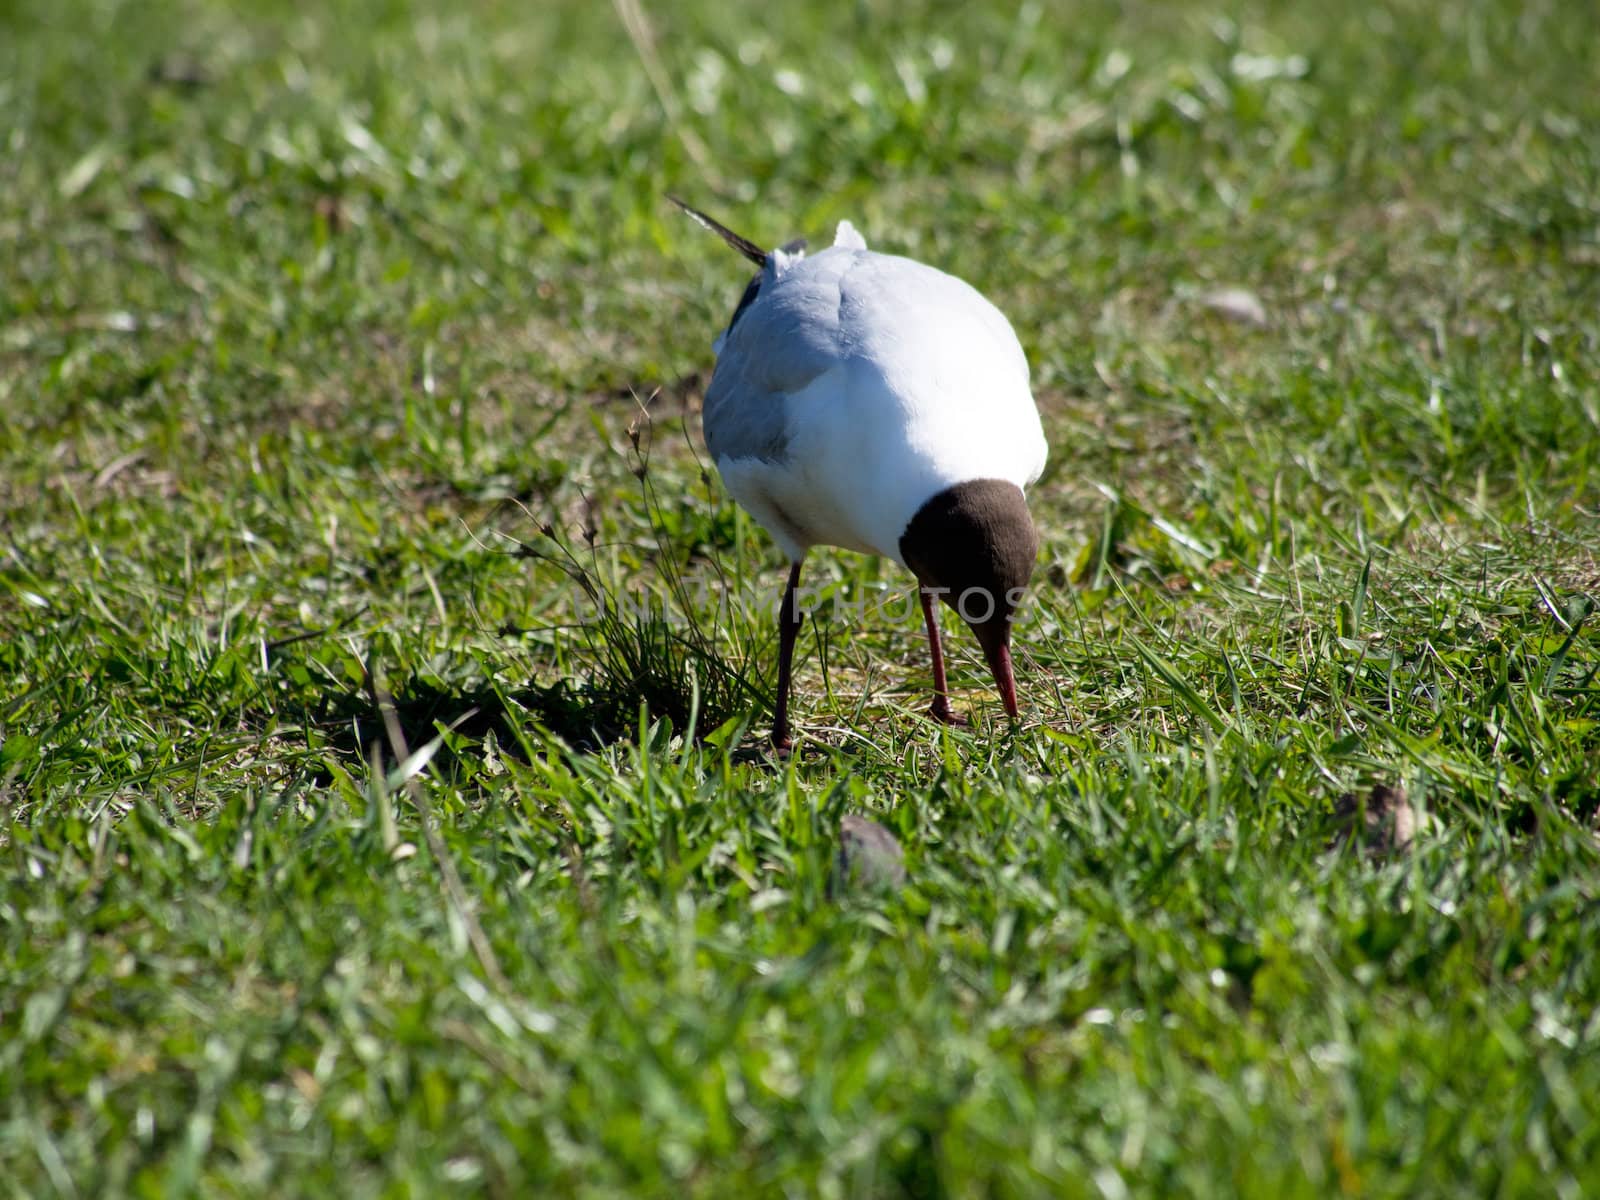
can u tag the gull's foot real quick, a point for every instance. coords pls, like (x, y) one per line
(941, 712)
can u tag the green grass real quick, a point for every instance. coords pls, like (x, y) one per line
(322, 333)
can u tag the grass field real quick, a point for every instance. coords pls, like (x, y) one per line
(351, 351)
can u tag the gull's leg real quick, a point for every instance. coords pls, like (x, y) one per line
(788, 632)
(940, 710)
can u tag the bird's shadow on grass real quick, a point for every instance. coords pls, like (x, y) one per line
(642, 673)
(582, 716)
(350, 723)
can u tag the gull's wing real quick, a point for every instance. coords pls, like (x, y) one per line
(784, 336)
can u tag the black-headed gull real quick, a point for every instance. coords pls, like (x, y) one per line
(875, 403)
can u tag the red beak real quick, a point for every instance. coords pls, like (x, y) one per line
(999, 659)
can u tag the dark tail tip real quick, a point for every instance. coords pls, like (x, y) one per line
(742, 244)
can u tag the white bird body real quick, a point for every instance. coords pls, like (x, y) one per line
(854, 386)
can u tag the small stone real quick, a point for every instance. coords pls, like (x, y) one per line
(1236, 304)
(869, 855)
(1385, 823)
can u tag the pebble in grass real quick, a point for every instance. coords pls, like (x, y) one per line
(870, 859)
(1386, 823)
(1236, 304)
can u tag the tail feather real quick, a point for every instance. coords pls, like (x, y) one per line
(742, 244)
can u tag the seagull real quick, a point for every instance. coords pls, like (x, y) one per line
(877, 404)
